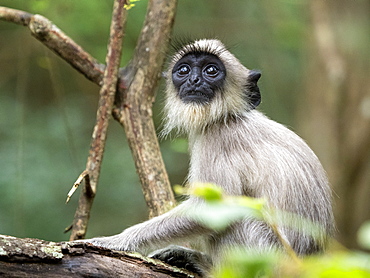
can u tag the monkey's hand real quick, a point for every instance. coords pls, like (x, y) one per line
(194, 261)
(109, 242)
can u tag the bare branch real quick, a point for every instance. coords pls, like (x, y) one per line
(51, 36)
(83, 176)
(15, 16)
(107, 95)
(134, 105)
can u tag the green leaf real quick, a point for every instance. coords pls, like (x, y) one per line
(218, 216)
(363, 235)
(207, 191)
(218, 212)
(247, 263)
(249, 202)
(130, 5)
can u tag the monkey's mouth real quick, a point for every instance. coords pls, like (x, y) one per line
(195, 97)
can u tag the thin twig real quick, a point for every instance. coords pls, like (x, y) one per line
(289, 250)
(81, 177)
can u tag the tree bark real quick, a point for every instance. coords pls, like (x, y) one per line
(134, 108)
(37, 258)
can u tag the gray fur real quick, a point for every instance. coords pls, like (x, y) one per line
(240, 149)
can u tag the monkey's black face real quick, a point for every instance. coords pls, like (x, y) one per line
(198, 77)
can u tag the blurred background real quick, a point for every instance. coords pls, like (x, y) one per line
(315, 61)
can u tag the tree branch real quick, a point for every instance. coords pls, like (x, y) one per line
(107, 94)
(134, 104)
(15, 16)
(135, 110)
(51, 36)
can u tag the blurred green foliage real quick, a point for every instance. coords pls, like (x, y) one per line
(220, 211)
(249, 264)
(363, 235)
(47, 109)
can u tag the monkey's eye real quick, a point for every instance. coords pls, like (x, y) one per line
(211, 70)
(183, 70)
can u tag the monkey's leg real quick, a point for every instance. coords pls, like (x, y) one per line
(192, 260)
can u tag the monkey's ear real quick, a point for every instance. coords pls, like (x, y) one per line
(252, 91)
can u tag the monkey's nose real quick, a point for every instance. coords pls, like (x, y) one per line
(195, 80)
(195, 76)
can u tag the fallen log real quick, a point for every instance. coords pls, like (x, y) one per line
(29, 257)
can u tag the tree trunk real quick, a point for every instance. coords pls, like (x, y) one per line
(336, 106)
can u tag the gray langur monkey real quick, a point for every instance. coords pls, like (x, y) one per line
(212, 97)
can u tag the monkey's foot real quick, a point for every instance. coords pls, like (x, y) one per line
(181, 257)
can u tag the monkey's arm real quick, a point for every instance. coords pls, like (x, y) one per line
(170, 228)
